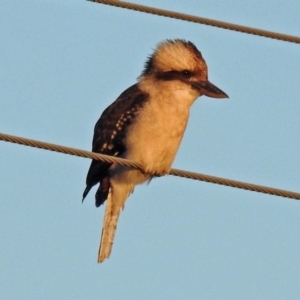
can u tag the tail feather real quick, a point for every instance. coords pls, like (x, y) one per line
(108, 230)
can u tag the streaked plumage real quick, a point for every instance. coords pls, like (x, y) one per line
(146, 124)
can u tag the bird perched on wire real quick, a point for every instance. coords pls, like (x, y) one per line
(146, 124)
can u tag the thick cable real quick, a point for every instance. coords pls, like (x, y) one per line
(129, 163)
(200, 20)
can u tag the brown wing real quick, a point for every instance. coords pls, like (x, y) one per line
(109, 136)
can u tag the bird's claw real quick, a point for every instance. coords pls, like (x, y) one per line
(155, 173)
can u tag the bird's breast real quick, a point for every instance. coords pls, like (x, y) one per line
(154, 137)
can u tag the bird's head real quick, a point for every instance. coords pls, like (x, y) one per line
(180, 60)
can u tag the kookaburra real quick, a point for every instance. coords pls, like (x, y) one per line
(146, 125)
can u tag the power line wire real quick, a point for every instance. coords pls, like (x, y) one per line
(200, 20)
(128, 163)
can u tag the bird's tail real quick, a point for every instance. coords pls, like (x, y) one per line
(116, 198)
(108, 230)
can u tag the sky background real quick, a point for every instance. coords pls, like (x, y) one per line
(61, 64)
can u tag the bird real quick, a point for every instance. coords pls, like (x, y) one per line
(146, 124)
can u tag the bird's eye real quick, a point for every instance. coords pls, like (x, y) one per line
(186, 74)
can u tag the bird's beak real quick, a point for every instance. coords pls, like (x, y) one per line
(208, 89)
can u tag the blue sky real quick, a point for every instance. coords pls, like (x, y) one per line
(62, 63)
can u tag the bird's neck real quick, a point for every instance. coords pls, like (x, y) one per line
(170, 92)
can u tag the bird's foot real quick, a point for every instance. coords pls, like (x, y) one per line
(156, 173)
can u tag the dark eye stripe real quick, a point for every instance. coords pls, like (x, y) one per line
(173, 75)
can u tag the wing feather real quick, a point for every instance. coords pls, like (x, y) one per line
(109, 137)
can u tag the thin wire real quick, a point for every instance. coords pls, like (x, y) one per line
(128, 163)
(200, 20)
